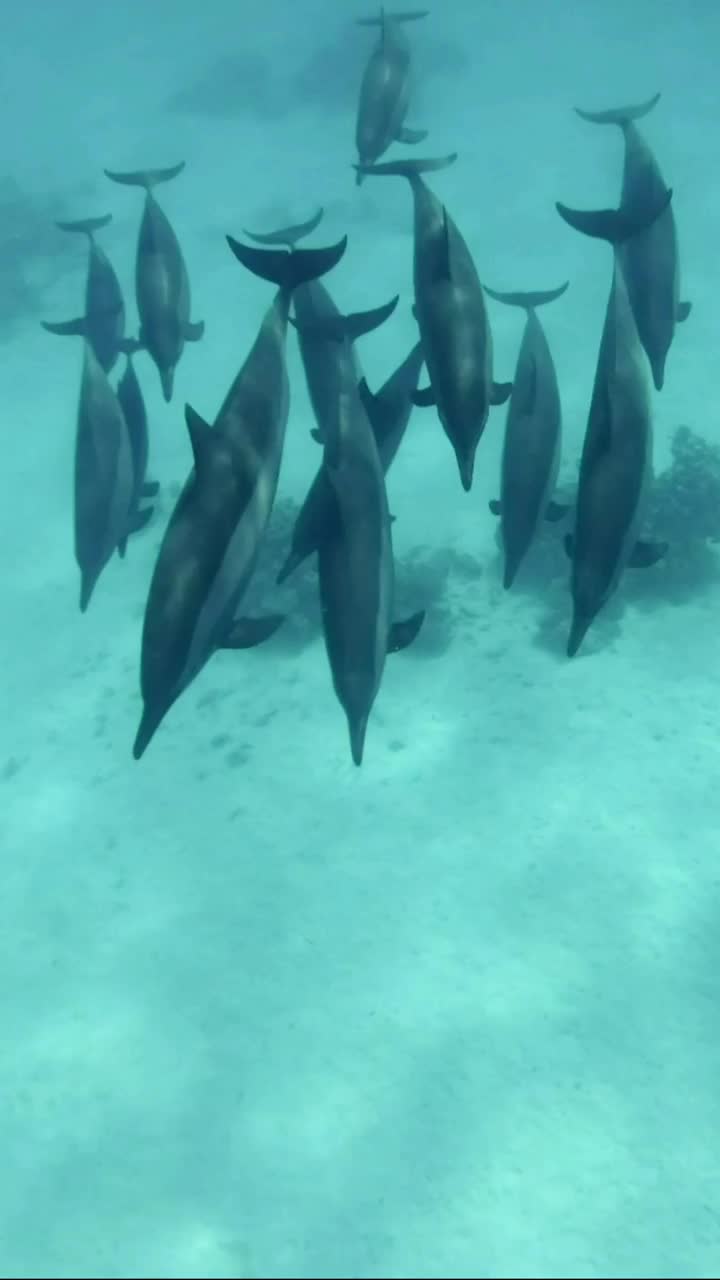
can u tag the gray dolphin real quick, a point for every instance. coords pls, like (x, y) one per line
(162, 286)
(356, 570)
(385, 90)
(532, 443)
(649, 259)
(103, 476)
(103, 323)
(388, 411)
(131, 399)
(452, 317)
(616, 461)
(210, 548)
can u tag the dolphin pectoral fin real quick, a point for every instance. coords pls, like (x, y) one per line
(423, 397)
(495, 506)
(683, 311)
(67, 328)
(122, 544)
(139, 519)
(317, 435)
(646, 554)
(246, 633)
(555, 511)
(403, 633)
(149, 489)
(500, 392)
(411, 136)
(199, 431)
(194, 332)
(569, 545)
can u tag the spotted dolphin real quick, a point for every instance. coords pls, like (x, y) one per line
(103, 476)
(162, 286)
(356, 570)
(385, 90)
(388, 411)
(650, 259)
(616, 461)
(211, 545)
(103, 322)
(532, 443)
(452, 317)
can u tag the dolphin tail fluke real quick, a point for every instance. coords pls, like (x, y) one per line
(409, 167)
(86, 225)
(147, 178)
(287, 235)
(616, 225)
(288, 270)
(407, 15)
(527, 300)
(619, 115)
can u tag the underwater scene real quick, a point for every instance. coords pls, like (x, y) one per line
(359, 757)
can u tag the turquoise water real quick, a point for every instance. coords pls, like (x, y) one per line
(265, 1014)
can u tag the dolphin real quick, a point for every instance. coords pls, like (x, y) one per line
(132, 403)
(650, 259)
(385, 90)
(210, 548)
(162, 286)
(103, 323)
(616, 461)
(103, 476)
(531, 448)
(452, 318)
(356, 570)
(388, 411)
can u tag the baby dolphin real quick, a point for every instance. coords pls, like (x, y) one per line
(103, 476)
(132, 403)
(616, 461)
(103, 323)
(385, 90)
(531, 448)
(650, 259)
(452, 318)
(389, 412)
(162, 286)
(210, 548)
